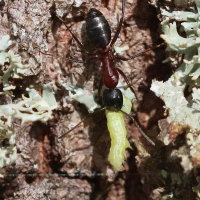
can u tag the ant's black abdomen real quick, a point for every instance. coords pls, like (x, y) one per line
(97, 29)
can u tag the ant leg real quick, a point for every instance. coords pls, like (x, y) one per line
(127, 81)
(100, 87)
(139, 54)
(71, 59)
(119, 26)
(77, 40)
(81, 122)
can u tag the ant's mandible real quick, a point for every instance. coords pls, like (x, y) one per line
(99, 34)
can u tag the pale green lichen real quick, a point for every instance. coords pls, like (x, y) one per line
(25, 109)
(172, 95)
(46, 102)
(8, 153)
(189, 71)
(11, 65)
(82, 96)
(34, 108)
(119, 50)
(182, 112)
(5, 42)
(31, 109)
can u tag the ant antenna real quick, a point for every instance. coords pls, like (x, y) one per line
(82, 121)
(141, 131)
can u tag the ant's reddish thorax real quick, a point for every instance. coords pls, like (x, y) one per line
(109, 72)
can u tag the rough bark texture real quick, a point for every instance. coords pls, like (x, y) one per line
(81, 158)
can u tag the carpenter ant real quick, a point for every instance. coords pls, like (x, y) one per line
(113, 101)
(99, 33)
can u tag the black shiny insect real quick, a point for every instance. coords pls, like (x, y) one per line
(99, 34)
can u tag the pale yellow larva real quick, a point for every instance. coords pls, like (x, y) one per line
(117, 129)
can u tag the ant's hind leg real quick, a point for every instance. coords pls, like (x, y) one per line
(127, 81)
(73, 35)
(77, 40)
(119, 26)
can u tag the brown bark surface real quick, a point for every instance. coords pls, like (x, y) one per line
(78, 165)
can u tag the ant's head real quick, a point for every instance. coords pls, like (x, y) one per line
(93, 13)
(112, 99)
